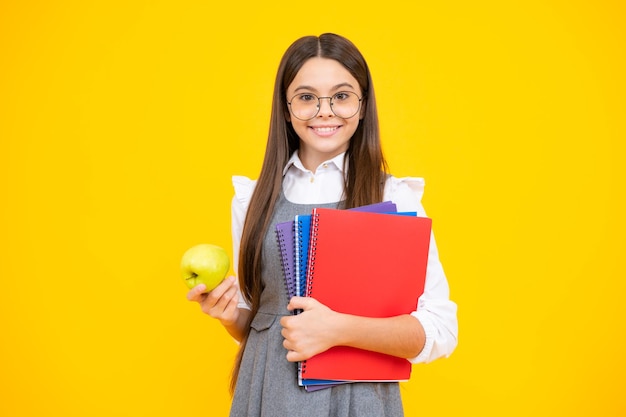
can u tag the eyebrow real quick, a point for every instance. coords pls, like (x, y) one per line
(336, 87)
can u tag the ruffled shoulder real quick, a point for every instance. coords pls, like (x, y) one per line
(406, 192)
(244, 187)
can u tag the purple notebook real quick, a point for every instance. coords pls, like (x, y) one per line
(285, 236)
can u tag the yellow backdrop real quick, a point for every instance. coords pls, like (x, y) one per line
(121, 123)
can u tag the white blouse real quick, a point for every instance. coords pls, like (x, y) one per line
(435, 311)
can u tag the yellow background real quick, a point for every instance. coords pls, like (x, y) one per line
(121, 123)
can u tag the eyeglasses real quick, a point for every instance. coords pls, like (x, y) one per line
(306, 106)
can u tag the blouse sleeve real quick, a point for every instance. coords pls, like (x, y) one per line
(435, 311)
(244, 187)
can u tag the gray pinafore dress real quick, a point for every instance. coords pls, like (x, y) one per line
(267, 385)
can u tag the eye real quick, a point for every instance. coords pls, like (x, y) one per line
(306, 97)
(341, 96)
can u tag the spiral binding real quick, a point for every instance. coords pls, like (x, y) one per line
(300, 260)
(312, 252)
(310, 269)
(289, 284)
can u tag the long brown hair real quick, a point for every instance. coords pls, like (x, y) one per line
(366, 171)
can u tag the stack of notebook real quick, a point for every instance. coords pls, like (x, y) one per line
(369, 261)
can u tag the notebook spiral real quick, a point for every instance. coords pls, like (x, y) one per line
(310, 268)
(284, 237)
(302, 227)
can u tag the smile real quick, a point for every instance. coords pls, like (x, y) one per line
(325, 129)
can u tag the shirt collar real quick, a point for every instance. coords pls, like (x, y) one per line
(297, 163)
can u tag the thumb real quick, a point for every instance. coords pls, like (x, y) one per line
(299, 303)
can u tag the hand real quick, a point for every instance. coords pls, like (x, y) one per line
(220, 303)
(310, 332)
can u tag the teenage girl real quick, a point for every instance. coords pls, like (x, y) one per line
(323, 150)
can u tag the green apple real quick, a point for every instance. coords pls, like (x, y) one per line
(204, 264)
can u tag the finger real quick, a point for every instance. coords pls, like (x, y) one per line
(195, 294)
(232, 306)
(299, 303)
(221, 304)
(217, 292)
(287, 345)
(293, 356)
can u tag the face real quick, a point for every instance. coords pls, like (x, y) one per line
(325, 135)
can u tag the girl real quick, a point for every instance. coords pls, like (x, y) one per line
(323, 150)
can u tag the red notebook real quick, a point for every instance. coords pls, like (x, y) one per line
(367, 264)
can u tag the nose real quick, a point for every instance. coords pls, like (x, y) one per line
(325, 107)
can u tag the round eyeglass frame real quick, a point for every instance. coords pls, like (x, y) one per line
(330, 102)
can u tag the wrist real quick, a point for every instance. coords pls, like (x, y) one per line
(343, 327)
(235, 327)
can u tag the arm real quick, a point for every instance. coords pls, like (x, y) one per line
(436, 312)
(426, 334)
(318, 328)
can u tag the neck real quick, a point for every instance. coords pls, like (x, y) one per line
(312, 161)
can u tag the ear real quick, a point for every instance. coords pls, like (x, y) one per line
(287, 113)
(362, 111)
